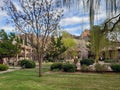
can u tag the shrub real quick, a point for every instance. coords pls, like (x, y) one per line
(110, 61)
(56, 66)
(115, 67)
(87, 62)
(50, 60)
(84, 68)
(19, 62)
(3, 67)
(67, 67)
(101, 67)
(27, 63)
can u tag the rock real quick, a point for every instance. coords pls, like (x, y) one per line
(109, 68)
(91, 68)
(78, 66)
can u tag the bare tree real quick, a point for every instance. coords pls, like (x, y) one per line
(38, 18)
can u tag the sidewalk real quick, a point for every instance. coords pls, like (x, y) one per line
(11, 69)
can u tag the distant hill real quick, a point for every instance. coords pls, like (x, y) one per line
(85, 35)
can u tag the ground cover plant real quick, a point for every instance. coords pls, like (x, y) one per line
(3, 67)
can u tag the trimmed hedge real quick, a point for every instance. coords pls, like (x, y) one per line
(56, 66)
(27, 63)
(115, 67)
(3, 67)
(87, 62)
(110, 61)
(67, 67)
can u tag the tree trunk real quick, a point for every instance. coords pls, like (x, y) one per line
(97, 58)
(40, 56)
(1, 61)
(40, 59)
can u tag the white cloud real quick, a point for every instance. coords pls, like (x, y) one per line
(77, 30)
(82, 21)
(78, 20)
(74, 20)
(3, 13)
(73, 29)
(19, 8)
(8, 28)
(100, 17)
(2, 3)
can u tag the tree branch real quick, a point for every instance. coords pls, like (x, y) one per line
(114, 24)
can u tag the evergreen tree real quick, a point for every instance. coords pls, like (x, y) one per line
(9, 45)
(56, 48)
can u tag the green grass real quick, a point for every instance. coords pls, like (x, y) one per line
(28, 79)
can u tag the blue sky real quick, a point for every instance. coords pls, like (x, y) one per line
(74, 20)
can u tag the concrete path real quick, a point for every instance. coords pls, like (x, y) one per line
(11, 69)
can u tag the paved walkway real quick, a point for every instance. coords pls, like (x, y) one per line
(11, 69)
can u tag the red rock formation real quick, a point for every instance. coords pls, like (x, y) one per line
(85, 35)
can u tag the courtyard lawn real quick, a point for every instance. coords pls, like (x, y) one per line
(28, 79)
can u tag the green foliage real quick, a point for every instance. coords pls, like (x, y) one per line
(110, 61)
(55, 48)
(98, 41)
(67, 67)
(87, 62)
(68, 40)
(3, 35)
(3, 67)
(49, 59)
(115, 67)
(7, 48)
(27, 63)
(70, 43)
(84, 68)
(101, 67)
(56, 66)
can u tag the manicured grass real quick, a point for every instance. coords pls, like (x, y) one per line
(28, 79)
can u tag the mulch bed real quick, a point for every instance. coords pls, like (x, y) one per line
(79, 72)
